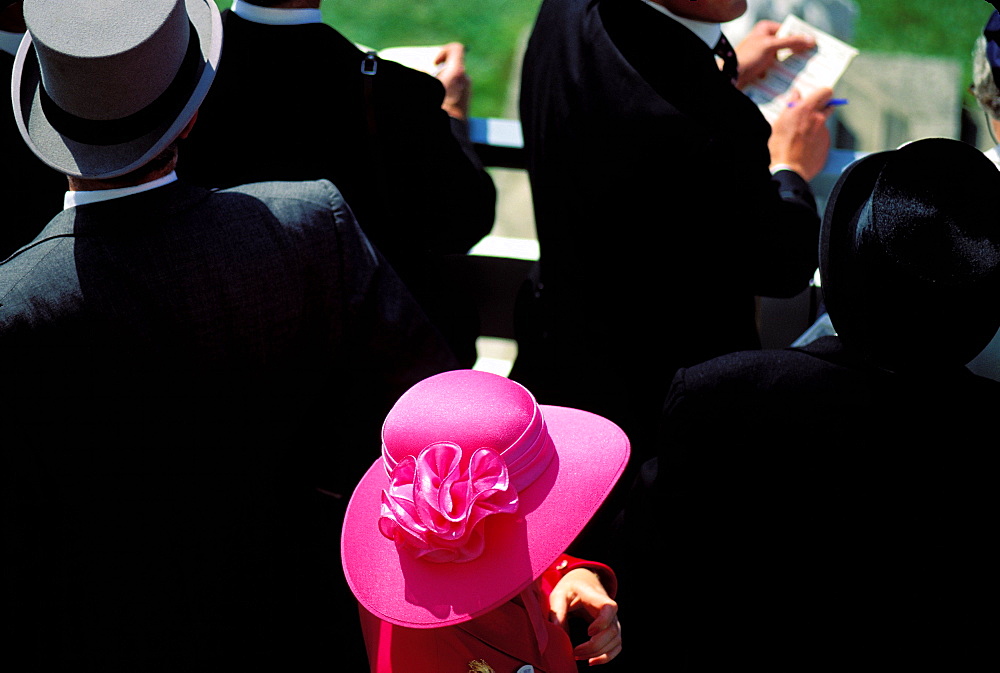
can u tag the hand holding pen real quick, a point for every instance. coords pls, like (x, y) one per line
(799, 137)
(833, 102)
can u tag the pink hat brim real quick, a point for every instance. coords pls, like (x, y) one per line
(591, 454)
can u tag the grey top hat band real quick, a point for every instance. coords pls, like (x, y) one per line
(129, 127)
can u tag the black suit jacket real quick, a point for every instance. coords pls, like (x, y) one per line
(657, 215)
(289, 103)
(819, 514)
(32, 190)
(194, 383)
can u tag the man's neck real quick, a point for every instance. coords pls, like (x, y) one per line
(130, 180)
(707, 32)
(102, 193)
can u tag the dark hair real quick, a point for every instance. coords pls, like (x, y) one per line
(158, 163)
(984, 86)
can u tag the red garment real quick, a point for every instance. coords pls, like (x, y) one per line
(505, 640)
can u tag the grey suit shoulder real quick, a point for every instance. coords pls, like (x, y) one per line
(319, 193)
(289, 197)
(166, 216)
(225, 278)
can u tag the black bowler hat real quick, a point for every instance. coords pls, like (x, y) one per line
(100, 87)
(910, 255)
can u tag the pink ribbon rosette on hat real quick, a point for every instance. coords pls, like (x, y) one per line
(436, 502)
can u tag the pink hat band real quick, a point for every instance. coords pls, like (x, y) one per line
(437, 500)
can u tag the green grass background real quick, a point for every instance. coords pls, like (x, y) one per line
(491, 30)
(945, 28)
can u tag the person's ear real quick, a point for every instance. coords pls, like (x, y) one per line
(190, 125)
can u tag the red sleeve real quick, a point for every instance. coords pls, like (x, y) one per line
(565, 563)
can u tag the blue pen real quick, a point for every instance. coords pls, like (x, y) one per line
(833, 102)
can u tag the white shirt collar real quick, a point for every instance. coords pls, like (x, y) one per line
(709, 33)
(274, 16)
(994, 155)
(82, 198)
(9, 42)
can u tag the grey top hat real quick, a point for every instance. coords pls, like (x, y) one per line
(101, 87)
(910, 255)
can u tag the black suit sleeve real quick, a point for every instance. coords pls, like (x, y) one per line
(438, 195)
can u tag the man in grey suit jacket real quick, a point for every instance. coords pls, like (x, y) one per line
(193, 379)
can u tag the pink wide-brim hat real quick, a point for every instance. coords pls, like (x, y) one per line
(471, 432)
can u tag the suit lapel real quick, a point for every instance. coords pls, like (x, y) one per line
(507, 629)
(676, 64)
(660, 50)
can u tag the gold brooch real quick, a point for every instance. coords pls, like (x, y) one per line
(479, 666)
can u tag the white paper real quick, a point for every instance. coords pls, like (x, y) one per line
(418, 58)
(821, 66)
